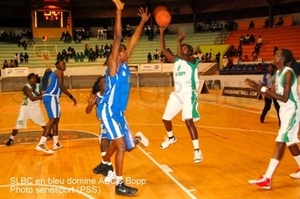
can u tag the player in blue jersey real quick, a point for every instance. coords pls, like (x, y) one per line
(284, 90)
(51, 102)
(185, 96)
(116, 98)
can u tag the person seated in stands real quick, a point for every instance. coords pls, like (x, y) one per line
(22, 43)
(101, 51)
(246, 58)
(77, 57)
(82, 56)
(63, 35)
(242, 40)
(224, 61)
(247, 39)
(256, 50)
(5, 64)
(233, 51)
(280, 22)
(267, 23)
(254, 56)
(217, 59)
(26, 57)
(17, 59)
(68, 37)
(239, 50)
(259, 41)
(149, 57)
(21, 58)
(251, 25)
(92, 55)
(252, 39)
(155, 54)
(162, 57)
(86, 50)
(11, 64)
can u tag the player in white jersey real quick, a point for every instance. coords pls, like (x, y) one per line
(185, 96)
(284, 90)
(30, 107)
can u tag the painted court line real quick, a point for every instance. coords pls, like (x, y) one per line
(167, 170)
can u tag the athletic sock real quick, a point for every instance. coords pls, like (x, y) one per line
(170, 134)
(55, 140)
(43, 140)
(109, 163)
(297, 158)
(119, 179)
(271, 168)
(12, 137)
(103, 154)
(195, 144)
(104, 162)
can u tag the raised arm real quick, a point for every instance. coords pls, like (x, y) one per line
(112, 60)
(138, 32)
(166, 53)
(60, 77)
(180, 54)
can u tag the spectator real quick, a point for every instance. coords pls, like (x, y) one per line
(246, 58)
(26, 57)
(251, 25)
(21, 58)
(242, 40)
(224, 61)
(280, 22)
(247, 39)
(5, 64)
(17, 59)
(233, 51)
(63, 35)
(155, 55)
(240, 50)
(11, 64)
(252, 39)
(259, 41)
(149, 57)
(267, 23)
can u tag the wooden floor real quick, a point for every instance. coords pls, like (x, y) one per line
(235, 145)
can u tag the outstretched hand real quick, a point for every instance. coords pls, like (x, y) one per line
(181, 35)
(144, 14)
(119, 4)
(252, 84)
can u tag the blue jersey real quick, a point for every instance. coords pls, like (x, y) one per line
(118, 88)
(53, 85)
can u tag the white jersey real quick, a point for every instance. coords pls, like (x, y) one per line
(185, 75)
(27, 102)
(293, 100)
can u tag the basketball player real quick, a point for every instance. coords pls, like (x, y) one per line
(94, 99)
(185, 97)
(285, 92)
(116, 98)
(30, 107)
(51, 102)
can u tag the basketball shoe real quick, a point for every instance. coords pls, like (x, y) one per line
(103, 169)
(57, 146)
(43, 148)
(122, 189)
(198, 157)
(295, 175)
(9, 142)
(142, 138)
(262, 182)
(167, 142)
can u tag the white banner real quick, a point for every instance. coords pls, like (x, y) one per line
(167, 68)
(16, 72)
(150, 68)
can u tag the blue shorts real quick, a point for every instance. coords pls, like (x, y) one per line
(52, 106)
(116, 125)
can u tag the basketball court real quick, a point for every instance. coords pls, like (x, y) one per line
(235, 145)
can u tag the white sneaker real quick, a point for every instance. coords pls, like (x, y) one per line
(143, 138)
(111, 175)
(57, 146)
(198, 157)
(167, 142)
(43, 148)
(295, 175)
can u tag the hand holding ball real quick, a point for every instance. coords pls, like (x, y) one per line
(162, 16)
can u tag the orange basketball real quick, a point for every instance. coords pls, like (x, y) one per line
(162, 16)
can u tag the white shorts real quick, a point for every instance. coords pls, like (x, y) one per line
(26, 113)
(185, 101)
(289, 127)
